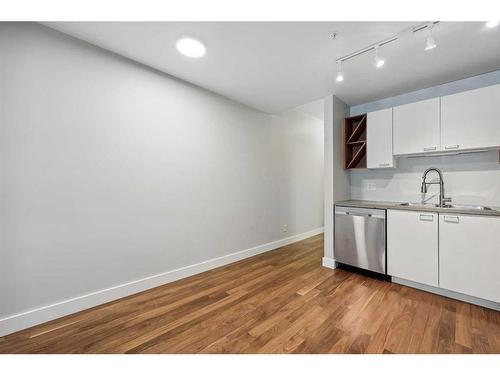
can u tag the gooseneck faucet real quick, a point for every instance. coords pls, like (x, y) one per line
(423, 189)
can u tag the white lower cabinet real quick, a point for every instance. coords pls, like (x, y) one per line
(412, 246)
(469, 255)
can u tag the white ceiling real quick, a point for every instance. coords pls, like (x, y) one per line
(274, 66)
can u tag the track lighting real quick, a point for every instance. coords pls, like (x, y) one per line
(340, 76)
(430, 42)
(378, 61)
(492, 24)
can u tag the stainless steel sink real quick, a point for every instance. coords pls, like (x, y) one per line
(468, 207)
(444, 202)
(450, 206)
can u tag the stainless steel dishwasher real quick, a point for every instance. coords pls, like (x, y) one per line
(360, 238)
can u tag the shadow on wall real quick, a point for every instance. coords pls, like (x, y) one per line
(472, 178)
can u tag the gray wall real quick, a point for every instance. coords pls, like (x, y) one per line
(111, 172)
(469, 178)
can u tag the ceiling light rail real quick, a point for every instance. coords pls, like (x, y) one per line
(374, 46)
(424, 26)
(367, 49)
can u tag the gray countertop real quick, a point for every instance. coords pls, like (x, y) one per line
(397, 206)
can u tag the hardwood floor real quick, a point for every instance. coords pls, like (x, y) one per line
(282, 301)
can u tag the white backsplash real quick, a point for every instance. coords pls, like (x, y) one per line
(468, 178)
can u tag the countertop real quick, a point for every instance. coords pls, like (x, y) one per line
(397, 206)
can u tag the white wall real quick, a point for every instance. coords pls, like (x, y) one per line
(469, 179)
(337, 179)
(111, 172)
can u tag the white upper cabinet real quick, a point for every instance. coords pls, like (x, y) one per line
(379, 139)
(471, 119)
(416, 127)
(412, 246)
(469, 255)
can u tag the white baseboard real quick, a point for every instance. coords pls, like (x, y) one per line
(329, 263)
(44, 314)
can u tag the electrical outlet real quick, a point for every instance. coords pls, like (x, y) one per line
(371, 186)
(285, 228)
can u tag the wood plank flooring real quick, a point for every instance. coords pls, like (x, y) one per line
(282, 301)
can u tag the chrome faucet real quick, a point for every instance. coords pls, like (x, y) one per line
(423, 189)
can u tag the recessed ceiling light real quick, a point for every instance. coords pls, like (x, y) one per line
(492, 24)
(190, 47)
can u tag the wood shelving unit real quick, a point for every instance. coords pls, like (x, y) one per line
(355, 142)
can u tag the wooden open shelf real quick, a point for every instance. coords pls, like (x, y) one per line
(355, 142)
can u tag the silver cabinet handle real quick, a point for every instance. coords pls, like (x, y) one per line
(426, 217)
(430, 148)
(384, 164)
(452, 147)
(451, 219)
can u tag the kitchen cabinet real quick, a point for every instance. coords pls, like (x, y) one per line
(379, 139)
(469, 255)
(416, 127)
(412, 246)
(471, 119)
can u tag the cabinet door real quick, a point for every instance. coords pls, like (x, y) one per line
(469, 255)
(379, 139)
(412, 246)
(471, 119)
(416, 127)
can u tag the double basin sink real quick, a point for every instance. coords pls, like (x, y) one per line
(451, 206)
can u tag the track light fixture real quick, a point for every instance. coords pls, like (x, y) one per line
(340, 76)
(378, 61)
(430, 43)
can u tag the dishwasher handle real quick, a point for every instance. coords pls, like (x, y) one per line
(352, 214)
(347, 213)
